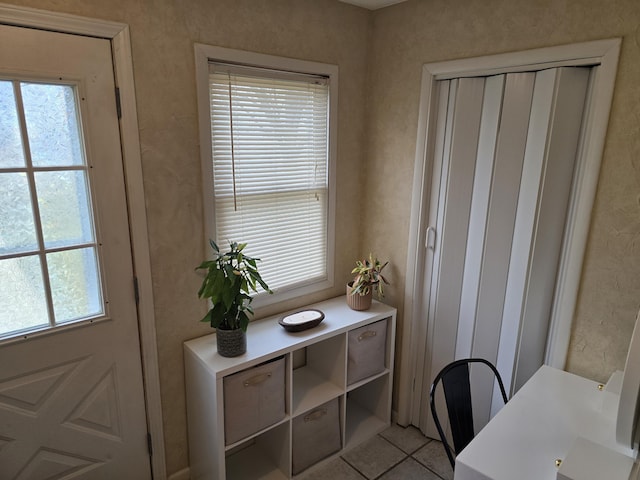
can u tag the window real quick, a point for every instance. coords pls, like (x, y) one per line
(48, 262)
(268, 165)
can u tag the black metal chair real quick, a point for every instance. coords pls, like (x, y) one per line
(457, 392)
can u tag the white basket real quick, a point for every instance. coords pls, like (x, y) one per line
(316, 435)
(253, 400)
(366, 351)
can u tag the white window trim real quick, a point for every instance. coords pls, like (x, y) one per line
(208, 53)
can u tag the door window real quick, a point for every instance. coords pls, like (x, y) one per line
(49, 273)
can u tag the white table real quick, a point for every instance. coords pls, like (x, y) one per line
(551, 413)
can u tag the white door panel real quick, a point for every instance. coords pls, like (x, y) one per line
(71, 398)
(457, 182)
(502, 185)
(498, 233)
(570, 89)
(489, 127)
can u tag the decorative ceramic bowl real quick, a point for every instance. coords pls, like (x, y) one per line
(302, 320)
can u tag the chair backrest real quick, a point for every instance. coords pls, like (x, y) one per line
(457, 392)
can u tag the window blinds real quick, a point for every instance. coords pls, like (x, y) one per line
(270, 174)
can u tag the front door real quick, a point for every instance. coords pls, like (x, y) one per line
(71, 389)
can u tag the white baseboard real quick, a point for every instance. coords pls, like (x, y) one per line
(183, 474)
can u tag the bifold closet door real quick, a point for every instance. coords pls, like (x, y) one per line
(504, 161)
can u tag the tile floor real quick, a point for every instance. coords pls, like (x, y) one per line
(398, 453)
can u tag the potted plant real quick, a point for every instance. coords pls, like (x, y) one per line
(367, 280)
(230, 278)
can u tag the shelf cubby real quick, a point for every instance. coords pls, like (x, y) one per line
(322, 376)
(265, 456)
(315, 374)
(367, 410)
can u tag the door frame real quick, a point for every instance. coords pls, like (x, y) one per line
(601, 53)
(118, 34)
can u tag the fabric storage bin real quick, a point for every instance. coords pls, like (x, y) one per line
(316, 435)
(366, 349)
(253, 399)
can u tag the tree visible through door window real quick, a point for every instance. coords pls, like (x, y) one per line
(49, 272)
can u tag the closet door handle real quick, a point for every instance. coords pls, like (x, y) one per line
(430, 238)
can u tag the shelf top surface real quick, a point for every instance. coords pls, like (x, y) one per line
(267, 339)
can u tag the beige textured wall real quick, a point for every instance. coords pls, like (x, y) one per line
(391, 45)
(162, 34)
(410, 34)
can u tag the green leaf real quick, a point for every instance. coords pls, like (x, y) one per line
(205, 264)
(251, 284)
(243, 321)
(217, 287)
(207, 317)
(263, 284)
(228, 270)
(217, 315)
(227, 298)
(202, 288)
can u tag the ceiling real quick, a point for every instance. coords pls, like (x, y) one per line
(372, 4)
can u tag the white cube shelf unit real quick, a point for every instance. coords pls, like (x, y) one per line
(316, 362)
